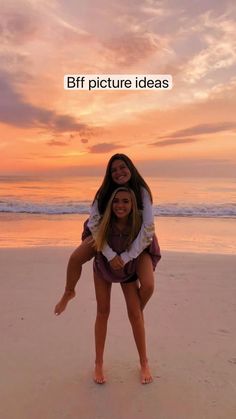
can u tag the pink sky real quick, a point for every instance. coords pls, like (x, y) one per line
(189, 130)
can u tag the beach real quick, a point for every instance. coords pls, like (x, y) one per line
(47, 361)
(62, 157)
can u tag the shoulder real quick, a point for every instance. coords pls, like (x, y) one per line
(94, 205)
(145, 194)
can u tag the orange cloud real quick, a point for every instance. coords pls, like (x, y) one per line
(104, 147)
(204, 129)
(169, 142)
(57, 143)
(14, 110)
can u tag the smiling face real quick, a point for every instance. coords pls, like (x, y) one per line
(122, 204)
(120, 172)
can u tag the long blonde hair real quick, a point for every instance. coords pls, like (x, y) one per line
(135, 220)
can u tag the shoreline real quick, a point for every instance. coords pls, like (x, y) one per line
(71, 248)
(198, 235)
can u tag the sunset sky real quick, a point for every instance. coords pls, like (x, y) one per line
(187, 131)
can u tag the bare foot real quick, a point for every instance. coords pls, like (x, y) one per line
(61, 306)
(98, 374)
(146, 377)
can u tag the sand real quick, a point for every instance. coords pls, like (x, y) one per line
(47, 361)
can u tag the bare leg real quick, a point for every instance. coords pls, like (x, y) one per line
(103, 296)
(137, 322)
(82, 254)
(146, 278)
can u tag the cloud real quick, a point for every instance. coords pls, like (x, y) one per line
(222, 168)
(203, 129)
(153, 11)
(84, 140)
(218, 50)
(57, 143)
(14, 110)
(17, 26)
(169, 142)
(104, 148)
(131, 48)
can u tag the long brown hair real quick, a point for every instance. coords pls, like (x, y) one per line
(135, 220)
(108, 185)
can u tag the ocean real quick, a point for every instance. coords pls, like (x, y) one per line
(191, 214)
(172, 197)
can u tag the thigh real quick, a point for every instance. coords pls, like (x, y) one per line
(103, 293)
(145, 269)
(85, 251)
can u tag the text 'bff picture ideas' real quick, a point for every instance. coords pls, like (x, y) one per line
(117, 82)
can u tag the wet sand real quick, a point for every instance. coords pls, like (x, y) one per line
(47, 361)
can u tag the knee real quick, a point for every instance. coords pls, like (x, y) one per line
(79, 256)
(150, 288)
(74, 260)
(147, 287)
